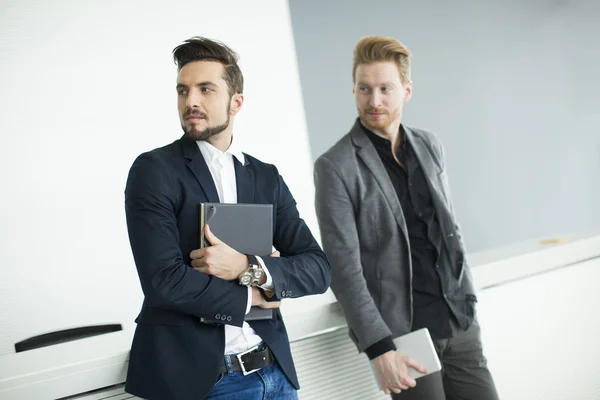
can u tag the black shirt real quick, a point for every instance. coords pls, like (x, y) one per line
(430, 263)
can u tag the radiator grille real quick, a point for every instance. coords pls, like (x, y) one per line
(330, 368)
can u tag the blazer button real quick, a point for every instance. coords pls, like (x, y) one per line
(283, 293)
(289, 293)
(229, 318)
(218, 316)
(223, 317)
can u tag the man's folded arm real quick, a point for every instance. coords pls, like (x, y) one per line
(166, 280)
(303, 268)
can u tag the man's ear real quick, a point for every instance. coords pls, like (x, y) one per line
(407, 91)
(236, 103)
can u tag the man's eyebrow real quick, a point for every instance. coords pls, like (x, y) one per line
(200, 84)
(377, 84)
(206, 83)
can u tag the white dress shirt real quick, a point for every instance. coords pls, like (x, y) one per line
(222, 169)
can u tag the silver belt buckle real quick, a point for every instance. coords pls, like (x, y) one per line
(239, 357)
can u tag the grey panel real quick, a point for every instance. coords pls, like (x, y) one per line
(330, 368)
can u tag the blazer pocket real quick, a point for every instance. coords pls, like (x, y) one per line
(159, 316)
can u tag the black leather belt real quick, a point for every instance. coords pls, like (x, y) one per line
(249, 361)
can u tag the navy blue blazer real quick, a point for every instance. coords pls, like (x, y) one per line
(179, 340)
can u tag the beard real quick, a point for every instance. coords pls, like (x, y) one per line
(381, 124)
(373, 123)
(206, 133)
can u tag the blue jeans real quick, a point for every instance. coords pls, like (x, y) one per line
(269, 383)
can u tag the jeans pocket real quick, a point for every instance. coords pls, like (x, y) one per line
(219, 379)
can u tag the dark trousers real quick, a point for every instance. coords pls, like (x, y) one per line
(464, 374)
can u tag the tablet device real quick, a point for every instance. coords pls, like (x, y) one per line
(419, 346)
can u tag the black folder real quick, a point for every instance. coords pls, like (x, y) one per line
(248, 228)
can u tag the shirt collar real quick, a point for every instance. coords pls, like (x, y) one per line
(210, 152)
(381, 142)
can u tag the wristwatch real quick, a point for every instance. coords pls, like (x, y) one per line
(251, 276)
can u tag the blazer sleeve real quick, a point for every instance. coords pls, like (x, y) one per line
(303, 268)
(339, 236)
(166, 280)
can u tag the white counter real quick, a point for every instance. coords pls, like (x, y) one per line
(76, 367)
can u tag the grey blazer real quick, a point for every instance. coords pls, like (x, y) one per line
(364, 233)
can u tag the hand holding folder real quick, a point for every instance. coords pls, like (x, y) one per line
(247, 228)
(221, 260)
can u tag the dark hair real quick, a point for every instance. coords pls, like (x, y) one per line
(200, 48)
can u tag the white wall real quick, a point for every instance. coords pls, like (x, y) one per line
(540, 334)
(86, 87)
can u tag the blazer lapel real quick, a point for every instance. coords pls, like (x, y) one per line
(431, 171)
(197, 165)
(368, 154)
(244, 177)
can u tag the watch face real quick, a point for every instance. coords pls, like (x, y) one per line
(245, 279)
(258, 273)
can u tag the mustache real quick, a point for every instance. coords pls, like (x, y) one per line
(376, 111)
(194, 112)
